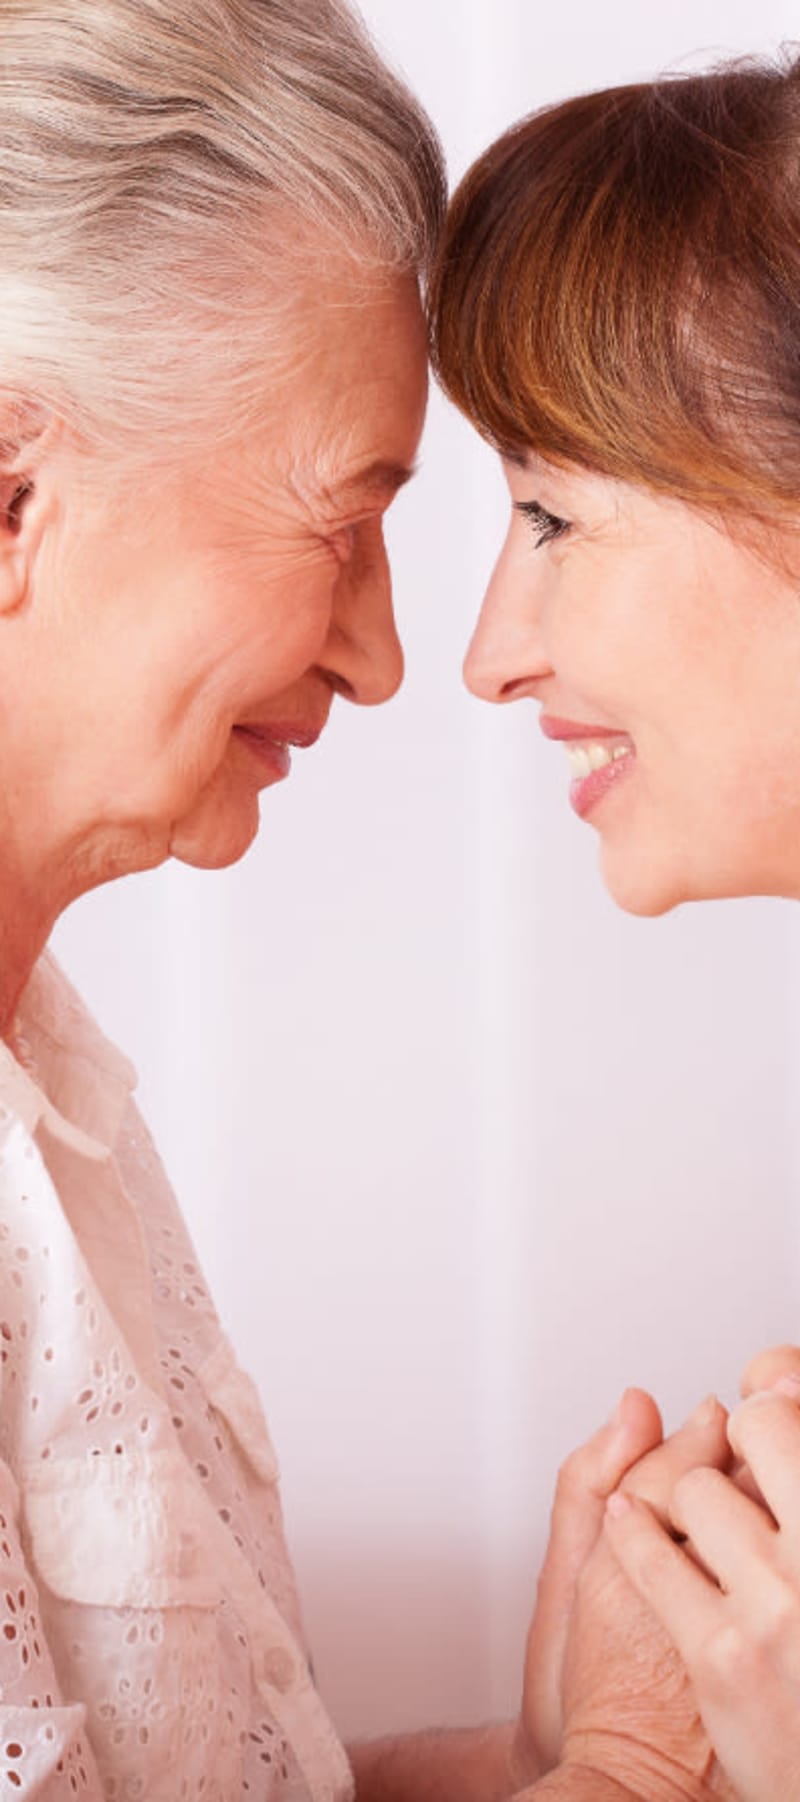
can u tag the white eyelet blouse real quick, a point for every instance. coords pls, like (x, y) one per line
(150, 1637)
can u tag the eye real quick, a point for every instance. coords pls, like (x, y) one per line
(546, 526)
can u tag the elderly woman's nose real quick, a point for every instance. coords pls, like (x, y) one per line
(364, 654)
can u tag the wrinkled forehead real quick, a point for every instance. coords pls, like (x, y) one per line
(357, 390)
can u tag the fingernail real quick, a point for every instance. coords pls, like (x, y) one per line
(705, 1413)
(618, 1504)
(788, 1385)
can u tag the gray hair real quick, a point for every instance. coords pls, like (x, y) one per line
(162, 165)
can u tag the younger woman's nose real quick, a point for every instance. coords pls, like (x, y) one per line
(506, 659)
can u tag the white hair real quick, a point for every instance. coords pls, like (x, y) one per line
(164, 166)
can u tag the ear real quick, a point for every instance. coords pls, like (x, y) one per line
(28, 434)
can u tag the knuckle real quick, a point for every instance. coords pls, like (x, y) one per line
(650, 1481)
(647, 1558)
(780, 1616)
(694, 1488)
(740, 1654)
(763, 1419)
(727, 1659)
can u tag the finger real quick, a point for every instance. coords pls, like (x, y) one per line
(729, 1533)
(684, 1600)
(779, 1367)
(765, 1432)
(701, 1440)
(766, 1367)
(585, 1481)
(742, 1476)
(590, 1475)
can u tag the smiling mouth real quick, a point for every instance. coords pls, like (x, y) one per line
(272, 753)
(281, 735)
(587, 755)
(271, 745)
(598, 757)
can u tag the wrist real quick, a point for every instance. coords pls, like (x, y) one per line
(641, 1773)
(579, 1783)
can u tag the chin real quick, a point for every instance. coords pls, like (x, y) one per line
(643, 887)
(216, 843)
(649, 885)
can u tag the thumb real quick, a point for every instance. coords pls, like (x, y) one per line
(585, 1482)
(588, 1476)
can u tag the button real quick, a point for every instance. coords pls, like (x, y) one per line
(279, 1669)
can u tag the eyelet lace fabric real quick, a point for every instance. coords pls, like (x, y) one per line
(151, 1643)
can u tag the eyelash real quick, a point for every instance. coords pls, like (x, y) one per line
(546, 526)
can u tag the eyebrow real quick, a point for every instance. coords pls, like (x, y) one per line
(376, 479)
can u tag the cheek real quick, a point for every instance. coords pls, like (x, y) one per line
(276, 629)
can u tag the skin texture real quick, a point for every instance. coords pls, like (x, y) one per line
(629, 1707)
(143, 621)
(730, 1601)
(648, 619)
(585, 1481)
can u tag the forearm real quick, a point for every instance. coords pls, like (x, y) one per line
(473, 1764)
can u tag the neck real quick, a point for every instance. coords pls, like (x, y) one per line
(24, 931)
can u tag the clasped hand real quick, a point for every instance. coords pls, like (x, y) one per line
(665, 1647)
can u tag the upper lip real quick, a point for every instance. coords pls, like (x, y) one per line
(556, 728)
(283, 732)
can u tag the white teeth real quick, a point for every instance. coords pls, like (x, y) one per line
(578, 761)
(599, 755)
(586, 757)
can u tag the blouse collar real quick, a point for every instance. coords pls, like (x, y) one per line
(57, 1067)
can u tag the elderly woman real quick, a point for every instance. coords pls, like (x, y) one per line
(618, 312)
(214, 218)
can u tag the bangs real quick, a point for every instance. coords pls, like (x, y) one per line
(608, 293)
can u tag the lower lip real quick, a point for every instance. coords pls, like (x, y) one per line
(587, 791)
(275, 758)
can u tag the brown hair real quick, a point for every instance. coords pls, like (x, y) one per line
(619, 286)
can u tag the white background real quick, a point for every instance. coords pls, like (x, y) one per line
(464, 1150)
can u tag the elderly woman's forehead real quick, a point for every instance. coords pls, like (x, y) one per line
(377, 480)
(339, 485)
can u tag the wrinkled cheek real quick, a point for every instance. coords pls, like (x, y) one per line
(156, 779)
(274, 660)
